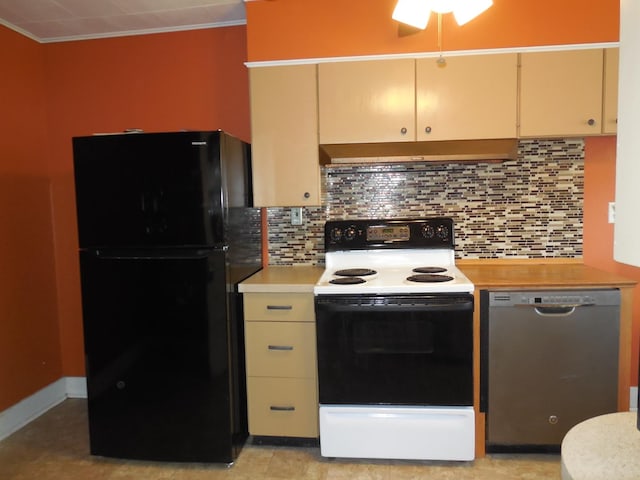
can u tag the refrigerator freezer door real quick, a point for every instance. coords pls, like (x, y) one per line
(158, 189)
(164, 357)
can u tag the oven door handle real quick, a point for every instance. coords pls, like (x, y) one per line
(400, 304)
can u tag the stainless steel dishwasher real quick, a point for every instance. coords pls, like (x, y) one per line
(549, 360)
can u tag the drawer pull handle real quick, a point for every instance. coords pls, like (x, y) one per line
(277, 408)
(279, 307)
(280, 347)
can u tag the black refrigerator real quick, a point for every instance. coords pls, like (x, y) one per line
(166, 232)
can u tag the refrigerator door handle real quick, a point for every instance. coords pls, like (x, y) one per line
(152, 254)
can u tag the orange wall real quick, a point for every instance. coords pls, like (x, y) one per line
(288, 29)
(184, 80)
(599, 190)
(29, 340)
(196, 80)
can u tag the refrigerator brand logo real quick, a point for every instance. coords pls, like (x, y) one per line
(198, 143)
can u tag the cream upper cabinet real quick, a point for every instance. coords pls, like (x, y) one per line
(610, 100)
(367, 101)
(468, 97)
(406, 100)
(284, 135)
(561, 93)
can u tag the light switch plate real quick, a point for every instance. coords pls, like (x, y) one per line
(296, 216)
(612, 212)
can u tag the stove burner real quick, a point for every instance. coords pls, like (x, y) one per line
(424, 278)
(355, 272)
(429, 270)
(347, 281)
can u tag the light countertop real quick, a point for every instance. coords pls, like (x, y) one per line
(540, 275)
(485, 274)
(604, 447)
(282, 279)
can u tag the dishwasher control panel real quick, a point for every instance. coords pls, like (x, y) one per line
(558, 300)
(554, 298)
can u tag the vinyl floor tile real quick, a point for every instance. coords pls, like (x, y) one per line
(55, 446)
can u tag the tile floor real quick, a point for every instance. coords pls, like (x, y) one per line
(56, 446)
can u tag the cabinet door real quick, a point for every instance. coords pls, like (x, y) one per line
(283, 407)
(561, 93)
(281, 349)
(369, 101)
(284, 135)
(468, 97)
(279, 307)
(610, 101)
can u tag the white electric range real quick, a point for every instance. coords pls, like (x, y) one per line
(394, 324)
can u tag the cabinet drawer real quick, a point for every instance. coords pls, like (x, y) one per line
(281, 349)
(283, 407)
(280, 307)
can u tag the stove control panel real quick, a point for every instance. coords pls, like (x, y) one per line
(384, 233)
(432, 232)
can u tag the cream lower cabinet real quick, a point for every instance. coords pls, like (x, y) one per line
(284, 136)
(561, 93)
(280, 340)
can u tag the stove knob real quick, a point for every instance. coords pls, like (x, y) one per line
(428, 231)
(442, 232)
(350, 233)
(336, 234)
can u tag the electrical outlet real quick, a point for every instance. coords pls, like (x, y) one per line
(296, 216)
(612, 212)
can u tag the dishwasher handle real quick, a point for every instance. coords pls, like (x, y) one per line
(554, 310)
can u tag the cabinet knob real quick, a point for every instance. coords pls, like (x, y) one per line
(591, 122)
(427, 129)
(403, 130)
(307, 194)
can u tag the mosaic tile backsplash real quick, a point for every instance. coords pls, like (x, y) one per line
(526, 208)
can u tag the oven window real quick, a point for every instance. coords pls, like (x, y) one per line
(387, 352)
(374, 336)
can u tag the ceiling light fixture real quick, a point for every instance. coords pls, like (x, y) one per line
(417, 12)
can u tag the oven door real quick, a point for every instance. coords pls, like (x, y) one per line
(395, 349)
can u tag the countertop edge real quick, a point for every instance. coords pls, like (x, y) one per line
(276, 288)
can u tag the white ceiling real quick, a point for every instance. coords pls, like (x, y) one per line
(61, 20)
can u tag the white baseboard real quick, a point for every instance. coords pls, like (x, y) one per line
(633, 399)
(23, 412)
(76, 387)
